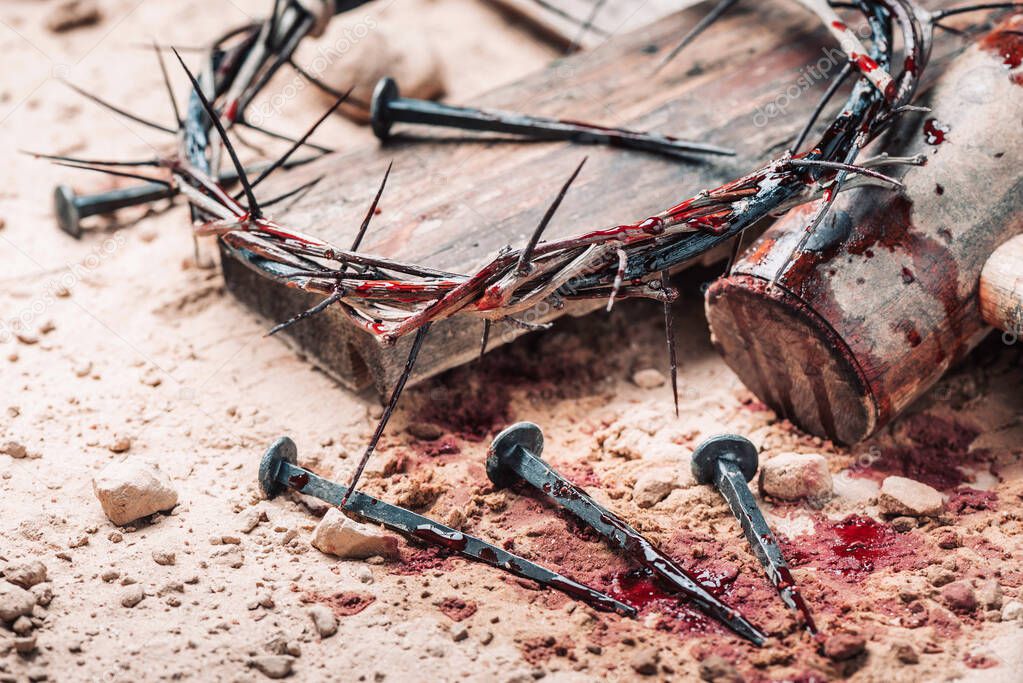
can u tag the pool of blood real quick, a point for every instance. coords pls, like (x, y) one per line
(935, 131)
(849, 548)
(641, 589)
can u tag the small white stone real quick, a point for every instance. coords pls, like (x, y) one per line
(902, 496)
(133, 489)
(323, 619)
(653, 486)
(792, 476)
(648, 378)
(344, 537)
(1012, 610)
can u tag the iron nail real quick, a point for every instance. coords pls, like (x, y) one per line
(515, 455)
(388, 107)
(729, 461)
(278, 471)
(71, 208)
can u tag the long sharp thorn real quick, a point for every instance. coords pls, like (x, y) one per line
(372, 210)
(298, 143)
(734, 256)
(695, 31)
(823, 102)
(120, 174)
(167, 84)
(211, 112)
(941, 14)
(93, 162)
(118, 110)
(523, 265)
(271, 34)
(417, 344)
(485, 338)
(281, 136)
(669, 332)
(334, 92)
(336, 296)
(304, 187)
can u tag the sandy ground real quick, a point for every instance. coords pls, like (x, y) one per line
(121, 347)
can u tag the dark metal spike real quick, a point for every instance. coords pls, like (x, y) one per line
(523, 265)
(417, 344)
(695, 31)
(118, 110)
(212, 113)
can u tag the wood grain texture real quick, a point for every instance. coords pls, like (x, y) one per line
(1001, 288)
(455, 199)
(890, 279)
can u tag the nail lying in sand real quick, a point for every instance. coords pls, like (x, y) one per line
(728, 461)
(515, 455)
(278, 471)
(388, 108)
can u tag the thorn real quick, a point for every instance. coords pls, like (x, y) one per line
(597, 6)
(118, 110)
(417, 344)
(372, 209)
(272, 29)
(623, 261)
(304, 187)
(734, 256)
(298, 143)
(486, 337)
(281, 136)
(167, 84)
(336, 296)
(254, 211)
(334, 92)
(941, 14)
(121, 174)
(523, 266)
(825, 98)
(849, 168)
(94, 162)
(669, 331)
(695, 31)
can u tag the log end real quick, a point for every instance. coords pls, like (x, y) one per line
(790, 358)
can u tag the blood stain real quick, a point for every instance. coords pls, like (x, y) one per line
(935, 131)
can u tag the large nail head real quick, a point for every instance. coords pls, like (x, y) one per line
(282, 450)
(728, 447)
(64, 206)
(505, 446)
(385, 92)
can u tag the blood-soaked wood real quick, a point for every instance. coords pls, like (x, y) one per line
(884, 298)
(455, 199)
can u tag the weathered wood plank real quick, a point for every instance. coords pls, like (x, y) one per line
(453, 198)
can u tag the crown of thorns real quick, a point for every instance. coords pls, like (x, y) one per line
(390, 298)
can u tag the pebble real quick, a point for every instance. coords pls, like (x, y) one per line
(250, 519)
(14, 449)
(959, 597)
(644, 662)
(120, 444)
(1012, 611)
(654, 486)
(273, 666)
(110, 575)
(15, 601)
(792, 476)
(648, 378)
(132, 596)
(73, 14)
(715, 669)
(323, 619)
(989, 594)
(902, 496)
(25, 644)
(459, 633)
(905, 652)
(43, 593)
(425, 431)
(26, 574)
(164, 557)
(843, 646)
(904, 524)
(338, 535)
(22, 626)
(133, 489)
(939, 576)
